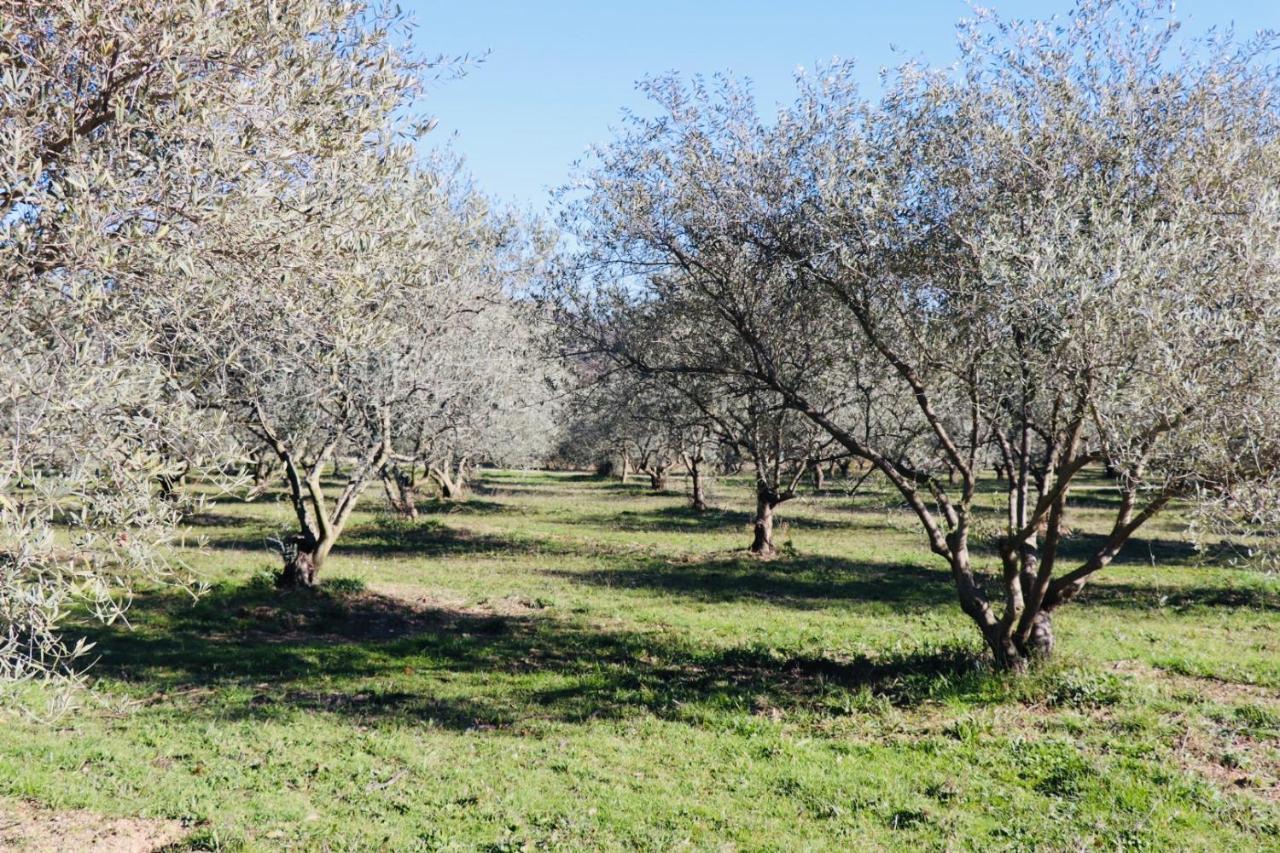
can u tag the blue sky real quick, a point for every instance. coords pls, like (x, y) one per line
(558, 72)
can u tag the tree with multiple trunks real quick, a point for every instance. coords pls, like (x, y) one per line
(366, 345)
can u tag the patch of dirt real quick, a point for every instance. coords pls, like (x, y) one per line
(1211, 689)
(28, 827)
(412, 594)
(416, 599)
(1232, 761)
(1219, 750)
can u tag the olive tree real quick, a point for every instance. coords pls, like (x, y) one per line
(1060, 256)
(495, 398)
(377, 310)
(128, 130)
(674, 392)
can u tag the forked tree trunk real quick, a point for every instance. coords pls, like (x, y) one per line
(819, 477)
(1012, 654)
(762, 527)
(401, 495)
(658, 480)
(303, 559)
(304, 553)
(452, 483)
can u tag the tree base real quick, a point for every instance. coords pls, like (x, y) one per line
(1016, 656)
(300, 572)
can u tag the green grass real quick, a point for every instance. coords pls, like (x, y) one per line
(567, 662)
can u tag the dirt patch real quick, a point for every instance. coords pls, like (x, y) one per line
(1219, 746)
(28, 827)
(1232, 761)
(458, 606)
(1210, 689)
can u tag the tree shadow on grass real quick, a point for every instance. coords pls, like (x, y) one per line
(805, 582)
(811, 582)
(390, 537)
(470, 506)
(685, 519)
(253, 652)
(1106, 593)
(1078, 547)
(212, 519)
(393, 537)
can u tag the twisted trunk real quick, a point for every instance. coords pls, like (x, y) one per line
(303, 559)
(401, 495)
(451, 480)
(762, 527)
(319, 527)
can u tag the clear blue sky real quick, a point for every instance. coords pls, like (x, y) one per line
(559, 72)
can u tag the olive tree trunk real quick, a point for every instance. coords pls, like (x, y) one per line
(762, 525)
(450, 479)
(699, 495)
(400, 491)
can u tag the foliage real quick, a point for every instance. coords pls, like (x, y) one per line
(1061, 255)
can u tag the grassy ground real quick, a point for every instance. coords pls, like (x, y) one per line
(567, 662)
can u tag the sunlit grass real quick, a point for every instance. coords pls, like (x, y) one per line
(568, 661)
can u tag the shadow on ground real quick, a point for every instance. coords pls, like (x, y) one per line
(1110, 594)
(684, 519)
(250, 651)
(805, 581)
(426, 537)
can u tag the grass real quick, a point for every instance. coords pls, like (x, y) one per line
(565, 662)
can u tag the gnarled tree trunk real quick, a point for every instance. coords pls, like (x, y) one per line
(451, 480)
(304, 553)
(303, 560)
(762, 526)
(401, 495)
